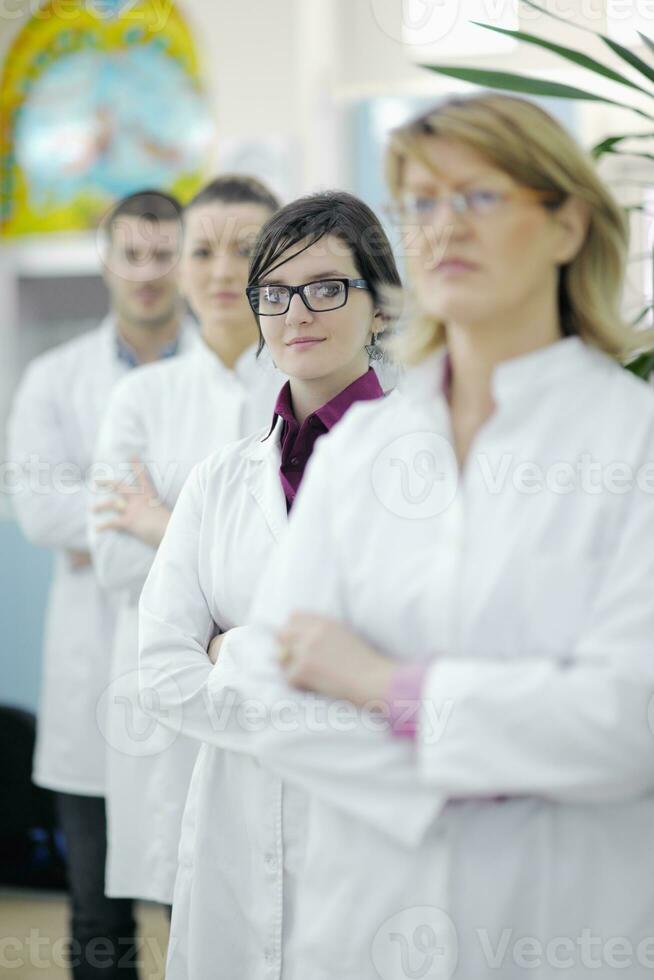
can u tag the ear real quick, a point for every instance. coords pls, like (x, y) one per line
(572, 221)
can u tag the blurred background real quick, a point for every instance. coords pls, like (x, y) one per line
(99, 98)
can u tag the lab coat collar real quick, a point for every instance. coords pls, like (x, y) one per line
(512, 378)
(524, 374)
(271, 444)
(425, 380)
(263, 480)
(246, 366)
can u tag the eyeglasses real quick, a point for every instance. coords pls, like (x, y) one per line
(319, 296)
(478, 202)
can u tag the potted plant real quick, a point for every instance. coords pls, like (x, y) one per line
(622, 144)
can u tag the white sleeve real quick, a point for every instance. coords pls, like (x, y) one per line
(579, 731)
(175, 622)
(48, 490)
(121, 560)
(338, 753)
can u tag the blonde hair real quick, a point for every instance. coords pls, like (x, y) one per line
(530, 146)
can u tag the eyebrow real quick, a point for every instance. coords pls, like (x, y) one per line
(329, 274)
(422, 185)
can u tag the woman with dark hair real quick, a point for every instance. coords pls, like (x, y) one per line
(316, 280)
(159, 424)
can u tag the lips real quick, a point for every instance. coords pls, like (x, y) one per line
(224, 296)
(454, 264)
(147, 294)
(305, 341)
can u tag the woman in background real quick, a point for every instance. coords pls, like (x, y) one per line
(160, 422)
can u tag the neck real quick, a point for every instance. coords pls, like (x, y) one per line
(476, 349)
(229, 342)
(309, 396)
(146, 340)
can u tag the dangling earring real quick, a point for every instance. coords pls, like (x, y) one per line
(374, 352)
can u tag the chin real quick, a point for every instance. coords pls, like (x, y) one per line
(154, 317)
(460, 311)
(311, 368)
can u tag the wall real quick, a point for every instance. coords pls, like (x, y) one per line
(296, 75)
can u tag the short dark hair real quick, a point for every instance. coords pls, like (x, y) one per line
(310, 218)
(235, 189)
(150, 205)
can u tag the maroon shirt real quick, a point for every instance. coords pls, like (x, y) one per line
(297, 440)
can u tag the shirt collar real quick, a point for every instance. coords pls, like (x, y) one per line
(364, 388)
(283, 406)
(127, 354)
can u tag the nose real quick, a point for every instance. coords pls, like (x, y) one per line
(446, 228)
(222, 267)
(297, 312)
(446, 214)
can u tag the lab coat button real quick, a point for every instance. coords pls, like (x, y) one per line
(269, 860)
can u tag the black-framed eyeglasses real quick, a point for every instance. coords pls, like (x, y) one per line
(319, 296)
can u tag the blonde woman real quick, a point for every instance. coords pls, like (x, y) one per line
(478, 559)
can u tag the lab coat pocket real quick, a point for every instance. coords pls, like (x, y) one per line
(558, 592)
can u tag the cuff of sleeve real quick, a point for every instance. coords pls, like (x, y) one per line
(404, 699)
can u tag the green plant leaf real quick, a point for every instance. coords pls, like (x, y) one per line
(642, 366)
(570, 54)
(563, 20)
(647, 41)
(641, 316)
(631, 58)
(619, 49)
(607, 145)
(507, 81)
(628, 153)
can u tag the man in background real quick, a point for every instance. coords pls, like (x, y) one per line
(52, 433)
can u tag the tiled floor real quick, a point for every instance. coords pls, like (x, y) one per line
(32, 930)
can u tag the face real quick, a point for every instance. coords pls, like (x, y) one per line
(307, 345)
(142, 270)
(218, 241)
(476, 268)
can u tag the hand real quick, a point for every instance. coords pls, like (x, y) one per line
(78, 559)
(214, 647)
(138, 509)
(322, 655)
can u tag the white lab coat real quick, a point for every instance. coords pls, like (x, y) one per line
(51, 435)
(530, 591)
(243, 833)
(242, 837)
(171, 416)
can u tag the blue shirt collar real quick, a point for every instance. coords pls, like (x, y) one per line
(127, 354)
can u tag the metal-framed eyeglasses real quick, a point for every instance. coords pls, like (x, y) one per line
(476, 202)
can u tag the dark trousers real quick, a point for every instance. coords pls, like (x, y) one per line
(102, 929)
